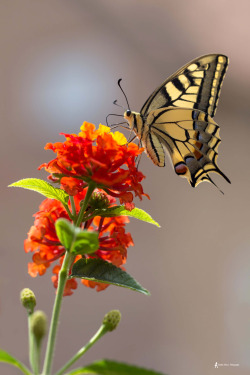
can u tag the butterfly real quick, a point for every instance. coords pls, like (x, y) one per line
(178, 116)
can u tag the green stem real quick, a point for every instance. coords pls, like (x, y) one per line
(31, 344)
(37, 353)
(73, 206)
(102, 330)
(90, 190)
(63, 274)
(68, 212)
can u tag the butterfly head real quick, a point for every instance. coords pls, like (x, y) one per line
(133, 119)
(128, 115)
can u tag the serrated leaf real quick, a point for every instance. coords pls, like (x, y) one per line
(107, 367)
(104, 272)
(74, 239)
(137, 213)
(7, 358)
(42, 187)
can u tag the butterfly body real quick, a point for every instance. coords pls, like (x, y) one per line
(178, 116)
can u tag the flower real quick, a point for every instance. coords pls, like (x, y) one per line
(42, 238)
(95, 158)
(44, 243)
(100, 157)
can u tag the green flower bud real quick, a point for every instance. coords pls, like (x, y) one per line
(99, 200)
(111, 320)
(28, 299)
(38, 324)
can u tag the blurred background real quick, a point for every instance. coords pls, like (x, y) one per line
(60, 62)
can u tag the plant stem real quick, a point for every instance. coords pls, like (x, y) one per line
(31, 344)
(68, 212)
(73, 206)
(63, 274)
(90, 190)
(102, 330)
(36, 356)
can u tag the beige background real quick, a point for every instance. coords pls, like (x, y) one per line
(60, 61)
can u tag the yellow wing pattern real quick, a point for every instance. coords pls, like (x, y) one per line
(192, 139)
(196, 85)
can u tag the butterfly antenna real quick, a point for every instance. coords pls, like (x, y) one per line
(119, 84)
(118, 105)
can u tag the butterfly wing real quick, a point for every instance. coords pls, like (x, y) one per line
(154, 149)
(196, 85)
(191, 138)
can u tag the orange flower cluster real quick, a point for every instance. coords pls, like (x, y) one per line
(100, 157)
(43, 241)
(104, 160)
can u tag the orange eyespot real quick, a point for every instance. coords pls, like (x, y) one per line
(181, 168)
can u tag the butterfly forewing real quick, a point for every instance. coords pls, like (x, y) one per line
(196, 85)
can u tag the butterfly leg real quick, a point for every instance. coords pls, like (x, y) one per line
(139, 157)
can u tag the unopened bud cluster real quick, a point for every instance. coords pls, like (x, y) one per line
(39, 324)
(112, 319)
(28, 299)
(98, 200)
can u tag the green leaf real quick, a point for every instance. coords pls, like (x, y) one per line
(104, 272)
(86, 242)
(137, 213)
(106, 367)
(76, 240)
(7, 358)
(65, 232)
(42, 187)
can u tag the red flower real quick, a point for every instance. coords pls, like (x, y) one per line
(42, 238)
(43, 242)
(100, 157)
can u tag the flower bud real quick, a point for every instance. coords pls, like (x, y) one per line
(111, 320)
(28, 299)
(99, 200)
(38, 324)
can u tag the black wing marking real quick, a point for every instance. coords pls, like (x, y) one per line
(196, 85)
(192, 140)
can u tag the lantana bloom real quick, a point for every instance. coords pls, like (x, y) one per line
(104, 160)
(98, 156)
(43, 242)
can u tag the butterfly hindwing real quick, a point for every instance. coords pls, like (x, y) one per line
(196, 85)
(191, 138)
